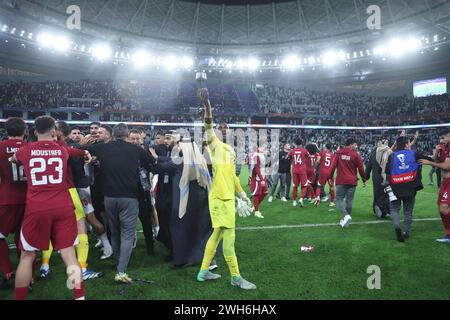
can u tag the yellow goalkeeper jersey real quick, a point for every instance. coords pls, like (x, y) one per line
(225, 183)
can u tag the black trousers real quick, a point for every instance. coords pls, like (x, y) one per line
(145, 216)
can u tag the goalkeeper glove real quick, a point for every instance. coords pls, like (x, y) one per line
(243, 209)
(243, 196)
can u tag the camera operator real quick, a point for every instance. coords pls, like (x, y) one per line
(405, 177)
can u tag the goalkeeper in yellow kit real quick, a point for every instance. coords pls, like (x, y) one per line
(222, 196)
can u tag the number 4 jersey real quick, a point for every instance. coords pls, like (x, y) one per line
(13, 185)
(45, 165)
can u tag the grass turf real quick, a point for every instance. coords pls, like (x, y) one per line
(271, 258)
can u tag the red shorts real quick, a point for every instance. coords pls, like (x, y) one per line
(10, 219)
(298, 178)
(323, 179)
(39, 227)
(444, 192)
(311, 174)
(257, 189)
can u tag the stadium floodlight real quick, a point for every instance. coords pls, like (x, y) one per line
(170, 62)
(30, 36)
(22, 33)
(212, 62)
(253, 63)
(413, 44)
(291, 62)
(311, 60)
(101, 52)
(5, 28)
(379, 51)
(396, 48)
(187, 62)
(330, 58)
(61, 44)
(13, 30)
(240, 64)
(341, 55)
(140, 58)
(228, 64)
(46, 40)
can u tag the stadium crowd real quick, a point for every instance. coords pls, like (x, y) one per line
(143, 100)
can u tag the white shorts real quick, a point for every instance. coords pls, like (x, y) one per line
(86, 200)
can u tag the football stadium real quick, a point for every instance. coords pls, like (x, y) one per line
(224, 150)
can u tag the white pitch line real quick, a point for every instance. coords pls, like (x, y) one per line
(317, 225)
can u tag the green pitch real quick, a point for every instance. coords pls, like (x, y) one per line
(271, 258)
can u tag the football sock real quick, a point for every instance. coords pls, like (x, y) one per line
(332, 195)
(446, 223)
(46, 254)
(5, 262)
(20, 293)
(210, 249)
(233, 266)
(83, 250)
(318, 192)
(78, 291)
(294, 193)
(304, 192)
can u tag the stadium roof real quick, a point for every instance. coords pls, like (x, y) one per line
(228, 26)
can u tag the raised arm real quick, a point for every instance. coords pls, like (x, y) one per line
(210, 135)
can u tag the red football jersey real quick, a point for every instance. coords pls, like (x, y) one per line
(13, 184)
(45, 165)
(326, 161)
(299, 157)
(310, 165)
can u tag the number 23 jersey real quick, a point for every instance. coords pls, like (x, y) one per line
(45, 165)
(13, 184)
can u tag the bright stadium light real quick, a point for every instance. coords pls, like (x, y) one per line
(45, 40)
(101, 52)
(5, 28)
(341, 55)
(311, 60)
(253, 63)
(413, 44)
(379, 51)
(61, 44)
(330, 58)
(186, 62)
(291, 62)
(228, 64)
(396, 48)
(240, 64)
(141, 58)
(170, 62)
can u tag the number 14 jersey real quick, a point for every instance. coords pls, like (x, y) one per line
(13, 184)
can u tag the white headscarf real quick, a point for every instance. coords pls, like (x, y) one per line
(194, 169)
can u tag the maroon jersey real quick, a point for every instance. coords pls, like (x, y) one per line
(348, 162)
(13, 185)
(69, 178)
(326, 161)
(311, 164)
(45, 165)
(299, 157)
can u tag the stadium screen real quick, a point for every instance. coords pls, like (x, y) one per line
(430, 87)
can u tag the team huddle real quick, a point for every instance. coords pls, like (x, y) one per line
(49, 194)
